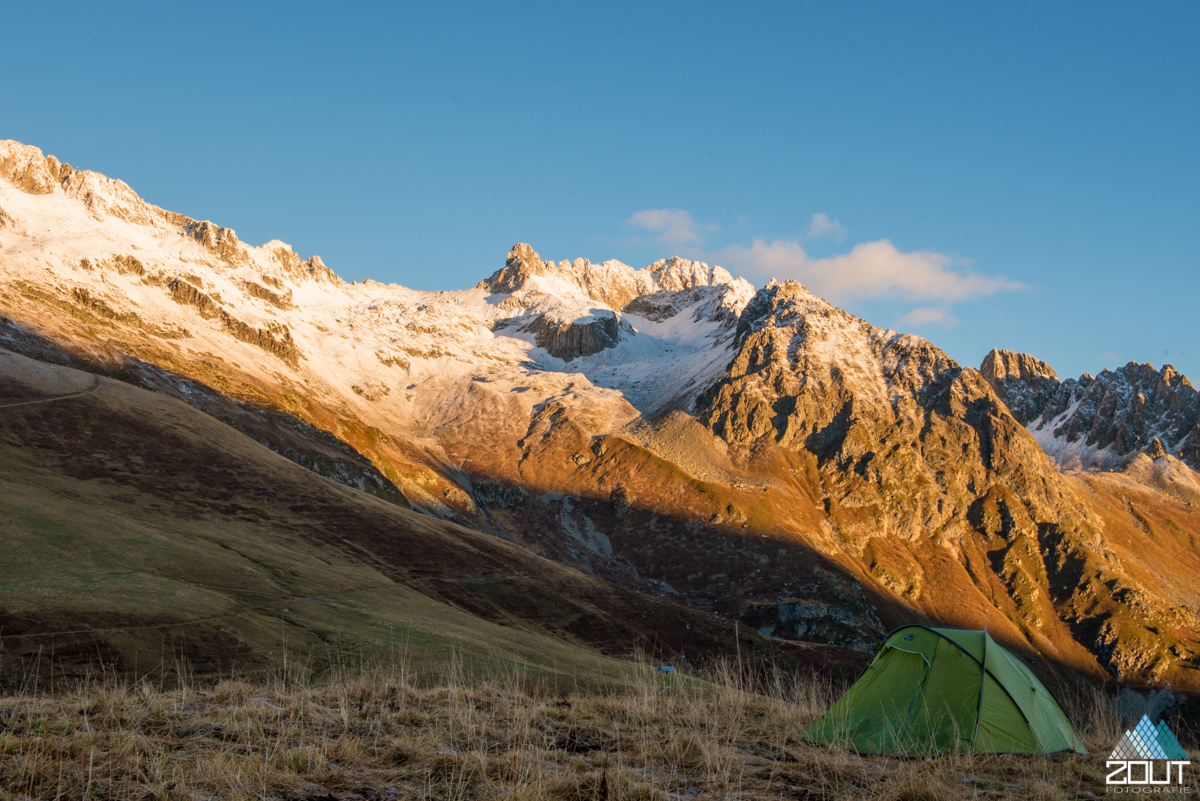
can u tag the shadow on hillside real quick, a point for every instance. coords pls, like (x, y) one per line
(111, 451)
(674, 596)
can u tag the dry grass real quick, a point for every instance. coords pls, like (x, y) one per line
(379, 735)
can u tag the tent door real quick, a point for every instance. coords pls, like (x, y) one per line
(918, 693)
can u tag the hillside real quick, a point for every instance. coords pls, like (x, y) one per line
(759, 456)
(147, 537)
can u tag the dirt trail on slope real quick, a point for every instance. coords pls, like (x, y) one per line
(47, 398)
(25, 381)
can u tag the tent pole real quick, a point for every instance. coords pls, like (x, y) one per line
(982, 684)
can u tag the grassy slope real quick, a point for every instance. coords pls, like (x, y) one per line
(158, 577)
(140, 529)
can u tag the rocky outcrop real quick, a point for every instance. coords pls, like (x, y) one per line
(570, 340)
(1024, 383)
(275, 339)
(843, 623)
(84, 299)
(521, 264)
(656, 307)
(223, 242)
(706, 302)
(27, 169)
(497, 493)
(128, 265)
(259, 291)
(314, 268)
(183, 292)
(1163, 472)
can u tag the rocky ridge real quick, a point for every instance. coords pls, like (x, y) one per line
(618, 285)
(1100, 423)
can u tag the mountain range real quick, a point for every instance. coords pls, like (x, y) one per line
(759, 458)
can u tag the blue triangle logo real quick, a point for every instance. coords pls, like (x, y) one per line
(1168, 743)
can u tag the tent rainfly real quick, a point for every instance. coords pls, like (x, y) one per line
(932, 691)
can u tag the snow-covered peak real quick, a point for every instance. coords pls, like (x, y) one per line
(152, 282)
(26, 168)
(780, 302)
(674, 274)
(612, 283)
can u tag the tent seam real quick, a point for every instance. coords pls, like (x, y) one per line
(983, 674)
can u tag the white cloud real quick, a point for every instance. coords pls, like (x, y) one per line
(672, 226)
(925, 315)
(821, 226)
(870, 270)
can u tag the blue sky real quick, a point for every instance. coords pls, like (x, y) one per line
(1022, 176)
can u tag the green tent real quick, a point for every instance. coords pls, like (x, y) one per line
(930, 691)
